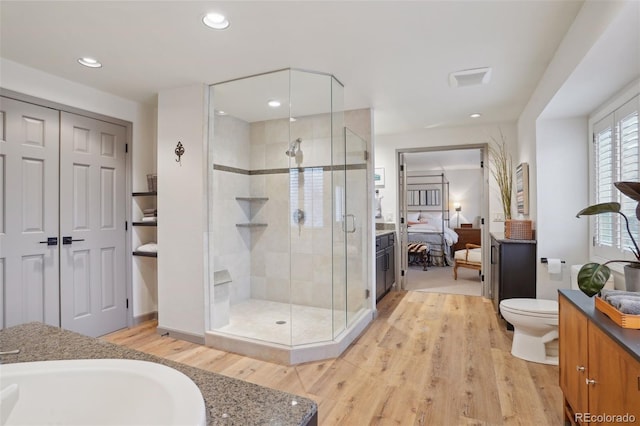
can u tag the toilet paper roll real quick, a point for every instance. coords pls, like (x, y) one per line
(555, 266)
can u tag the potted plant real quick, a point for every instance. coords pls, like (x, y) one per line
(593, 276)
(502, 172)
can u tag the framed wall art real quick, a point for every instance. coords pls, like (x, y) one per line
(522, 188)
(378, 177)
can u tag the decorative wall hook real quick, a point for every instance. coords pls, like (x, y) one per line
(179, 151)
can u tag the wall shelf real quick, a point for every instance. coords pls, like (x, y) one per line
(252, 211)
(144, 223)
(144, 193)
(145, 254)
(256, 199)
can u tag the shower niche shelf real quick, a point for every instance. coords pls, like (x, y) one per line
(256, 199)
(251, 201)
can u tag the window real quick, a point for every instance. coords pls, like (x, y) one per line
(616, 156)
(306, 192)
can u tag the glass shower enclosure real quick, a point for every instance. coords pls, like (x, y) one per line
(287, 210)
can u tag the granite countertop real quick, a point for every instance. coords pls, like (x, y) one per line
(384, 232)
(228, 401)
(627, 338)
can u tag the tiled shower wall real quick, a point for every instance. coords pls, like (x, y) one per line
(231, 245)
(284, 250)
(283, 261)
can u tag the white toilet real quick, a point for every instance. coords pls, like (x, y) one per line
(535, 325)
(535, 328)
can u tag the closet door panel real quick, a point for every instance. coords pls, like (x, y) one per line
(29, 178)
(2, 194)
(92, 215)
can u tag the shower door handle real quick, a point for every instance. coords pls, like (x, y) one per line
(353, 224)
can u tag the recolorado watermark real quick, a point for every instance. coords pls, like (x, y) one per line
(604, 418)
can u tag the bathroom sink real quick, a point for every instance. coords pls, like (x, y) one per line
(98, 392)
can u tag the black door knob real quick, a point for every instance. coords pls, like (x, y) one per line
(69, 240)
(51, 241)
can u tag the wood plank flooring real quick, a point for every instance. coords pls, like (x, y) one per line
(427, 359)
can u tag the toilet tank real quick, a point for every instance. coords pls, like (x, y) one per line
(574, 279)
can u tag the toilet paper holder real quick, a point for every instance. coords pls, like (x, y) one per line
(544, 260)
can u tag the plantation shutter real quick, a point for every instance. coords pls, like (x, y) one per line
(604, 165)
(627, 127)
(616, 158)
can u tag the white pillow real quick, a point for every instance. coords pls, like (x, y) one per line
(413, 217)
(431, 216)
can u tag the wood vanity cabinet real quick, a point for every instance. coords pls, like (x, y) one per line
(599, 364)
(573, 356)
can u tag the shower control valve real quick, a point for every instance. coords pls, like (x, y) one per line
(298, 216)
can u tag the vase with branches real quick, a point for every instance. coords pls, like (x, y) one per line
(502, 171)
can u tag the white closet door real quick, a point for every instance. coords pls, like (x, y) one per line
(92, 225)
(28, 213)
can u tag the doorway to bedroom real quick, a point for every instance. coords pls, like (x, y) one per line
(442, 203)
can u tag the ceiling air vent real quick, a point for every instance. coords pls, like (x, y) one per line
(470, 77)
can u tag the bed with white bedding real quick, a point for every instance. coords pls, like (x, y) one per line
(440, 241)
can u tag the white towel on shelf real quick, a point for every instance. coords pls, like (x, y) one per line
(149, 219)
(148, 248)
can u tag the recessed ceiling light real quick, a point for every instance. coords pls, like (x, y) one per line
(273, 103)
(216, 21)
(221, 112)
(89, 62)
(475, 115)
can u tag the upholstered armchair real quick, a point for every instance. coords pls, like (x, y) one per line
(470, 257)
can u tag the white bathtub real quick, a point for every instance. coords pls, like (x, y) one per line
(98, 392)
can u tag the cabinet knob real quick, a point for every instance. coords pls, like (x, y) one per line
(590, 382)
(579, 368)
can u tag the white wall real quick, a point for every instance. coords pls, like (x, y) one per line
(556, 150)
(385, 156)
(465, 187)
(562, 192)
(182, 210)
(29, 81)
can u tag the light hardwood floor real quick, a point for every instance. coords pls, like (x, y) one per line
(427, 359)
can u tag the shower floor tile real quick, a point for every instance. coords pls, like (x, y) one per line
(262, 320)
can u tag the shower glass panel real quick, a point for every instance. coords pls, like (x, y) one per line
(249, 201)
(287, 210)
(356, 229)
(339, 217)
(310, 194)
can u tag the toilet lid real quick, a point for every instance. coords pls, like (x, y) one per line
(538, 306)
